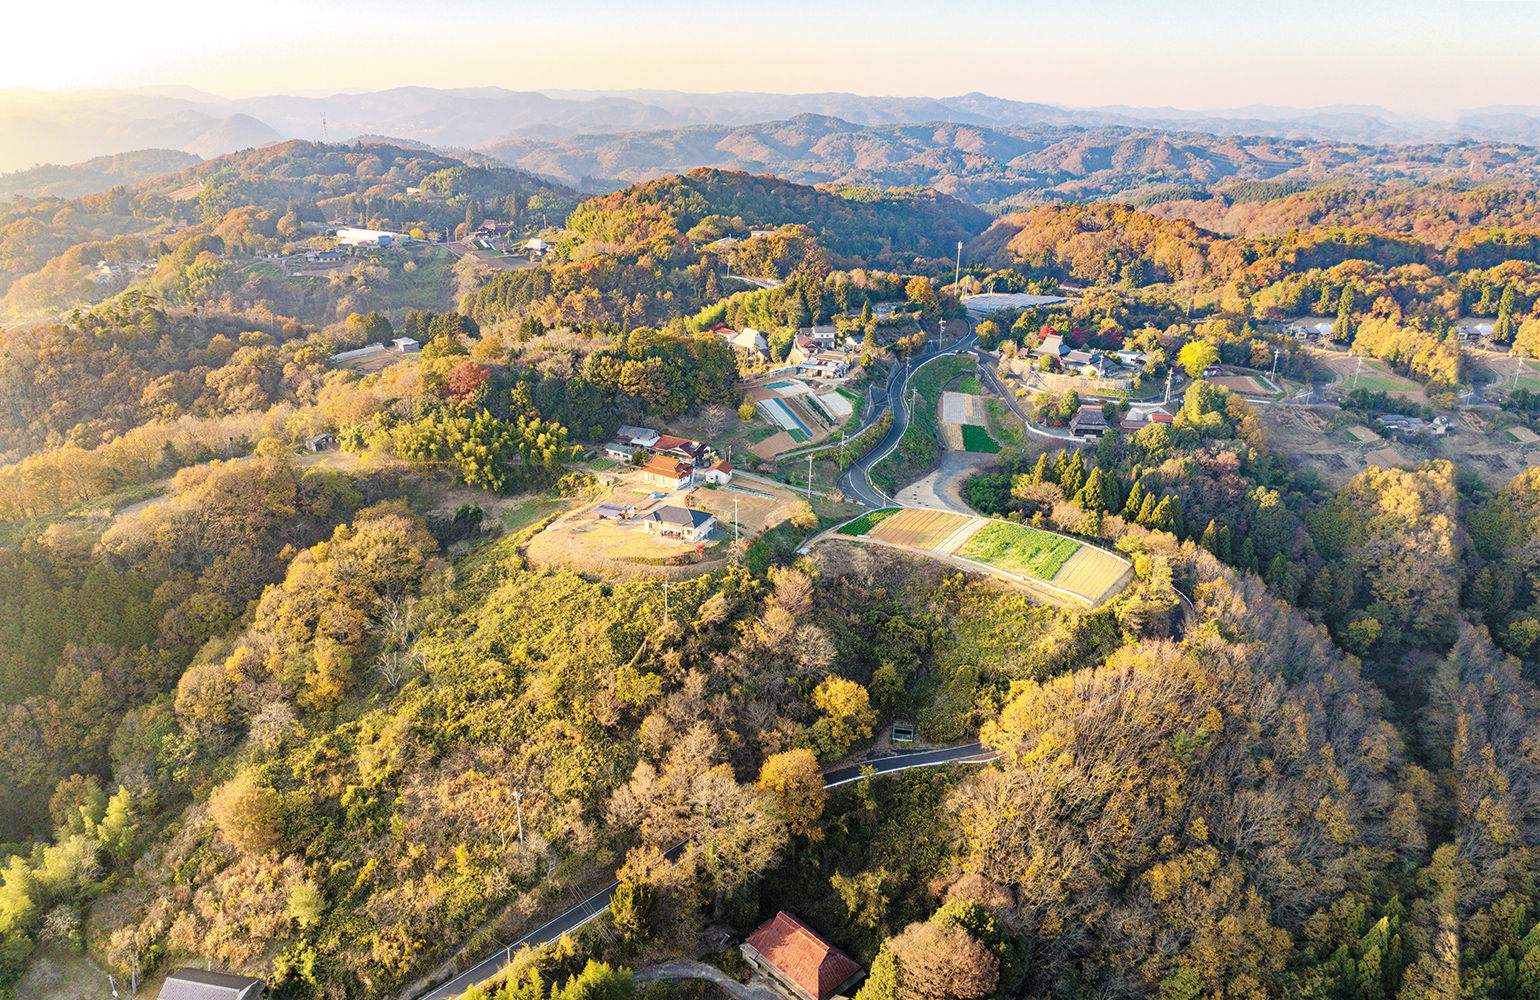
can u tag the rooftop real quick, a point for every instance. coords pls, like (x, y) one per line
(199, 984)
(804, 958)
(689, 517)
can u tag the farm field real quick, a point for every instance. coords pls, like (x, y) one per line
(1020, 548)
(919, 529)
(976, 438)
(1246, 385)
(1093, 573)
(1069, 568)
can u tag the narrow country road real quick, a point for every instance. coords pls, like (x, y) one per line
(856, 483)
(599, 902)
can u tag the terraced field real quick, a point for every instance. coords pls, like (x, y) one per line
(918, 529)
(1059, 569)
(1093, 574)
(1020, 549)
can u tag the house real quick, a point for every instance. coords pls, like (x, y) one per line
(636, 437)
(824, 365)
(615, 511)
(801, 964)
(1053, 346)
(721, 473)
(750, 341)
(669, 446)
(822, 336)
(537, 247)
(687, 524)
(325, 256)
(661, 470)
(1213, 371)
(197, 984)
(756, 233)
(405, 345)
(320, 442)
(1088, 420)
(1406, 428)
(1475, 331)
(620, 451)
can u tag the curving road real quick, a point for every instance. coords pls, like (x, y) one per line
(588, 909)
(857, 483)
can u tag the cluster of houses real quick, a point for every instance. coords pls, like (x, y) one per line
(1092, 363)
(1090, 421)
(107, 270)
(1406, 428)
(813, 353)
(672, 462)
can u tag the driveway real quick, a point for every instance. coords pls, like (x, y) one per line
(756, 989)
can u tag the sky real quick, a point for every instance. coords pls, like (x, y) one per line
(1414, 56)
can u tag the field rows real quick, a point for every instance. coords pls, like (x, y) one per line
(919, 529)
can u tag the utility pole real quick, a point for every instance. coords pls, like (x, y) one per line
(810, 477)
(1275, 361)
(665, 602)
(957, 274)
(518, 805)
(1169, 374)
(737, 529)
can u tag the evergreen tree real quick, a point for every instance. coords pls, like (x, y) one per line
(1043, 471)
(1136, 498)
(1092, 497)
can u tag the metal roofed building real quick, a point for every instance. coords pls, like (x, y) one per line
(993, 302)
(199, 984)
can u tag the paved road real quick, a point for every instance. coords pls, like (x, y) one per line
(856, 483)
(599, 902)
(904, 760)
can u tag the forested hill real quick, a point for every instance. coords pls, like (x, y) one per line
(93, 176)
(310, 171)
(706, 204)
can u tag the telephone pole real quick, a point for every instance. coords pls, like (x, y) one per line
(810, 477)
(518, 805)
(957, 274)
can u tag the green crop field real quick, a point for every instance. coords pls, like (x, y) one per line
(976, 438)
(971, 386)
(1017, 547)
(867, 521)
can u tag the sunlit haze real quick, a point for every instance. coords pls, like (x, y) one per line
(1429, 57)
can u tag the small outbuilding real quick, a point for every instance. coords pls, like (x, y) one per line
(720, 473)
(320, 442)
(802, 965)
(405, 345)
(199, 984)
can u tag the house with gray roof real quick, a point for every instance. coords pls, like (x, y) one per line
(199, 984)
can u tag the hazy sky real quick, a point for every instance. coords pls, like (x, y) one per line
(1413, 55)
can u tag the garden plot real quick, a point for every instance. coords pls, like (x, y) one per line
(1020, 549)
(962, 408)
(836, 404)
(1361, 434)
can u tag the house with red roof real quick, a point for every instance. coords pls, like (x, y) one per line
(663, 471)
(801, 964)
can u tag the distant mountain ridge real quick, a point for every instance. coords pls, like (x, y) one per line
(1010, 165)
(39, 127)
